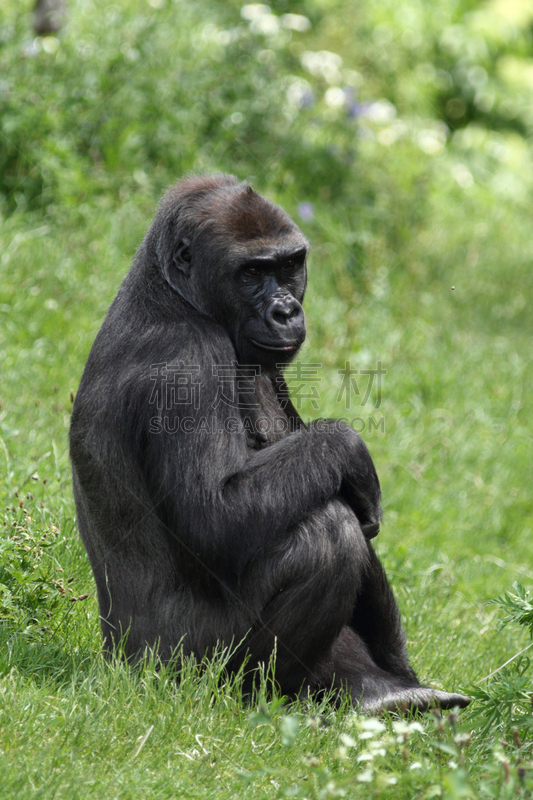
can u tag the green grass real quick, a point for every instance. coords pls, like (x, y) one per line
(91, 129)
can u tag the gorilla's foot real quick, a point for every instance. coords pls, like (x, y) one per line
(415, 700)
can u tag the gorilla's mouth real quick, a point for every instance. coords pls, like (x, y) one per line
(286, 348)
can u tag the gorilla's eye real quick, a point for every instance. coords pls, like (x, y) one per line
(289, 265)
(251, 272)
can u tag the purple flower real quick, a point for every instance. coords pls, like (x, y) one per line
(306, 211)
(359, 110)
(351, 106)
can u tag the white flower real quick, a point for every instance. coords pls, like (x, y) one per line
(254, 10)
(402, 726)
(463, 176)
(267, 24)
(373, 725)
(432, 140)
(322, 64)
(297, 90)
(335, 97)
(347, 740)
(380, 111)
(295, 22)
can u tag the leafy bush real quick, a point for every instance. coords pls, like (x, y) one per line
(505, 703)
(129, 98)
(374, 757)
(32, 581)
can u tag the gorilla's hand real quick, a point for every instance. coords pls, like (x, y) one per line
(360, 486)
(367, 511)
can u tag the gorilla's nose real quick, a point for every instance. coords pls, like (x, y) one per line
(285, 312)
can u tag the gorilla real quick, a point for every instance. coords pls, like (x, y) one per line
(211, 513)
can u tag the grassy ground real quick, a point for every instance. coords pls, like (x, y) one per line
(411, 267)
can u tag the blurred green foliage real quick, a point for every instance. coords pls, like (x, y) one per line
(137, 93)
(411, 110)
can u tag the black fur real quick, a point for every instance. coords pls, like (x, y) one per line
(210, 512)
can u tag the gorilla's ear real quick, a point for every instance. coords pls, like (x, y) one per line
(176, 269)
(176, 266)
(182, 257)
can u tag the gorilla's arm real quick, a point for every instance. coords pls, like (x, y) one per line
(360, 485)
(226, 504)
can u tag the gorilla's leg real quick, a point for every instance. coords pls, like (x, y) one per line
(313, 582)
(370, 654)
(376, 620)
(349, 666)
